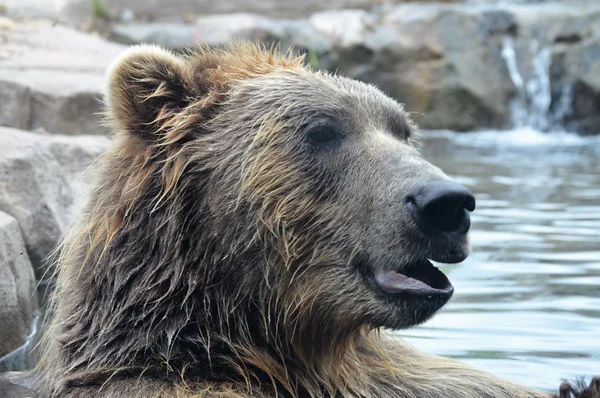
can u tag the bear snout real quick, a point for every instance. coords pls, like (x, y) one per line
(442, 206)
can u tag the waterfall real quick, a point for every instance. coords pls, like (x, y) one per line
(518, 105)
(531, 106)
(538, 88)
(22, 358)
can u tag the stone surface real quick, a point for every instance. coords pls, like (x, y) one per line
(425, 58)
(162, 10)
(578, 69)
(157, 9)
(215, 30)
(11, 386)
(169, 35)
(556, 51)
(17, 287)
(51, 77)
(57, 101)
(73, 12)
(40, 176)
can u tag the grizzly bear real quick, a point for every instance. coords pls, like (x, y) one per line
(253, 229)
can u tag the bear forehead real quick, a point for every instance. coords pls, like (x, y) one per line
(304, 93)
(260, 75)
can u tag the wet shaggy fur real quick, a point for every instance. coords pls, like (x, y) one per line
(580, 389)
(222, 252)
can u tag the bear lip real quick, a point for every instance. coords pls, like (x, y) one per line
(418, 279)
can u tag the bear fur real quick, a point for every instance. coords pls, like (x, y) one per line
(222, 252)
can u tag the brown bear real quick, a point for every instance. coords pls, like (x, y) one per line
(252, 230)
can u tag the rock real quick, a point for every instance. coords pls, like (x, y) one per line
(576, 69)
(17, 288)
(556, 57)
(51, 78)
(72, 12)
(169, 35)
(155, 9)
(212, 30)
(12, 387)
(428, 64)
(499, 22)
(63, 102)
(345, 28)
(421, 55)
(216, 30)
(16, 104)
(39, 180)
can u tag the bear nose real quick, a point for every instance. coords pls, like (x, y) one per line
(442, 206)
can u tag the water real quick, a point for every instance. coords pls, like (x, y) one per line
(531, 105)
(23, 357)
(527, 301)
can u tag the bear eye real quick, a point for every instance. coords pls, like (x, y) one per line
(324, 135)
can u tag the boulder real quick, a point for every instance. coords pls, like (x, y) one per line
(72, 12)
(40, 177)
(11, 385)
(17, 288)
(576, 69)
(57, 101)
(557, 58)
(51, 77)
(161, 10)
(167, 34)
(217, 30)
(436, 60)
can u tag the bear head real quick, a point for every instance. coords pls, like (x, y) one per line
(248, 198)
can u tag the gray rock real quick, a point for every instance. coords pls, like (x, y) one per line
(216, 30)
(12, 387)
(57, 101)
(17, 287)
(40, 175)
(157, 9)
(435, 59)
(421, 55)
(576, 69)
(345, 28)
(161, 10)
(168, 35)
(556, 45)
(66, 11)
(51, 78)
(16, 104)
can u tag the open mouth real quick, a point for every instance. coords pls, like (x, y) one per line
(417, 279)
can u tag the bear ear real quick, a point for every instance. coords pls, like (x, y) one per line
(146, 86)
